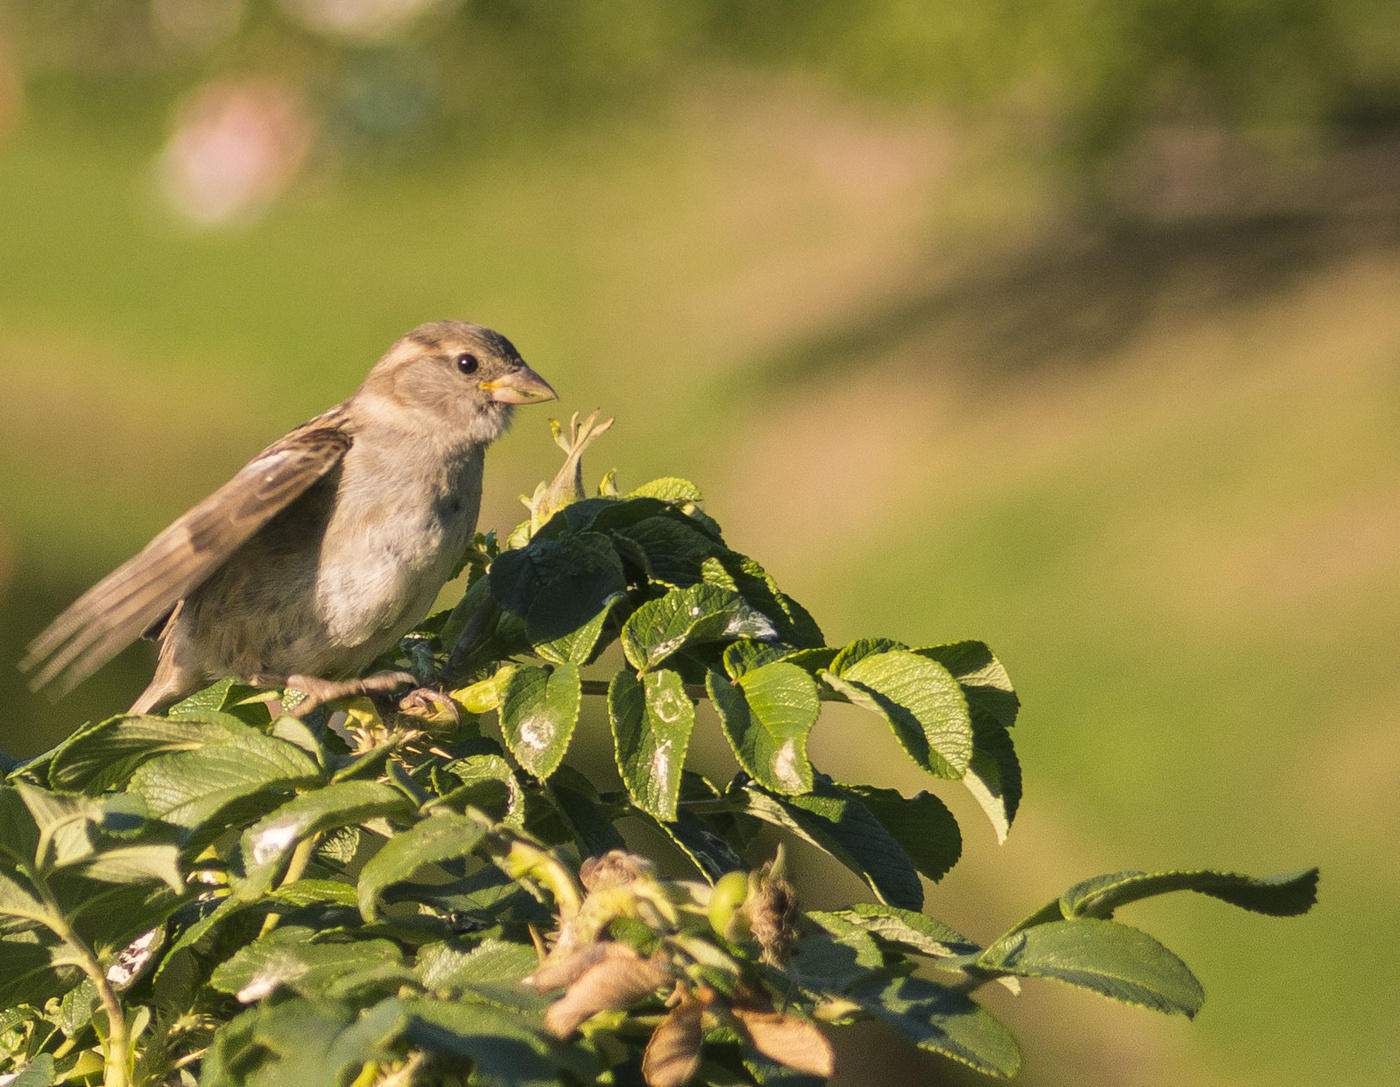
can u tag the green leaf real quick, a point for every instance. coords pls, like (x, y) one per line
(1115, 960)
(673, 547)
(492, 972)
(268, 843)
(558, 585)
(580, 645)
(288, 957)
(439, 837)
(945, 1021)
(18, 903)
(583, 813)
(539, 710)
(834, 954)
(922, 825)
(994, 773)
(136, 864)
(839, 824)
(684, 617)
(1285, 895)
(652, 718)
(96, 757)
(488, 783)
(741, 574)
(192, 788)
(308, 1043)
(767, 715)
(908, 929)
(668, 489)
(920, 699)
(39, 1072)
(32, 970)
(506, 1049)
(745, 655)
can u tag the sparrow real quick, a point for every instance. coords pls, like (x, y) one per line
(325, 548)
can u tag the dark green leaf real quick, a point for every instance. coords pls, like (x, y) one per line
(945, 1021)
(287, 956)
(1115, 960)
(838, 823)
(539, 710)
(558, 585)
(741, 574)
(1285, 895)
(439, 837)
(652, 718)
(135, 864)
(767, 715)
(99, 756)
(920, 699)
(692, 616)
(493, 972)
(673, 547)
(580, 645)
(907, 929)
(507, 1049)
(834, 954)
(488, 783)
(268, 843)
(37, 1073)
(922, 824)
(191, 788)
(583, 813)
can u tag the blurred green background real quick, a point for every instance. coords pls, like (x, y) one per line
(1074, 327)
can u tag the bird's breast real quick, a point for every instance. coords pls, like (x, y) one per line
(390, 546)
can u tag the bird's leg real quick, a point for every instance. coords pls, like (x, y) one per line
(319, 691)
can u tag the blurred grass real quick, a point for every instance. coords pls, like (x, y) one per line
(1156, 468)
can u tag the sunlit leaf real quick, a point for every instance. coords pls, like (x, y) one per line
(652, 718)
(539, 710)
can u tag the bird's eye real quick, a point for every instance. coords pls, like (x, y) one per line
(467, 363)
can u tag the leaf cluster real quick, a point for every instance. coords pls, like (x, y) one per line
(430, 893)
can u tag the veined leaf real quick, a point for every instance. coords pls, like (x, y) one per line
(136, 864)
(837, 823)
(558, 585)
(190, 788)
(288, 957)
(945, 1021)
(673, 546)
(994, 773)
(920, 699)
(1115, 960)
(767, 715)
(580, 645)
(439, 837)
(922, 825)
(101, 755)
(906, 928)
(692, 616)
(539, 710)
(652, 718)
(1285, 895)
(268, 842)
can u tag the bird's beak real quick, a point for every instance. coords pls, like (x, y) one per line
(520, 386)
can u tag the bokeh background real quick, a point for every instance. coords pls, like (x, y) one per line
(1071, 326)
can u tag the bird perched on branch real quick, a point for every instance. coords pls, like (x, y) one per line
(323, 550)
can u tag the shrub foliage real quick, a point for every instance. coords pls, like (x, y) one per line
(431, 893)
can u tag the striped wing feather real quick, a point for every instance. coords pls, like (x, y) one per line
(126, 603)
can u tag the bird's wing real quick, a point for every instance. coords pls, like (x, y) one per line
(123, 605)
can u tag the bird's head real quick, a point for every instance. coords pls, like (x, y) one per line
(458, 379)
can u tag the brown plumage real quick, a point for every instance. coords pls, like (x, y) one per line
(326, 547)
